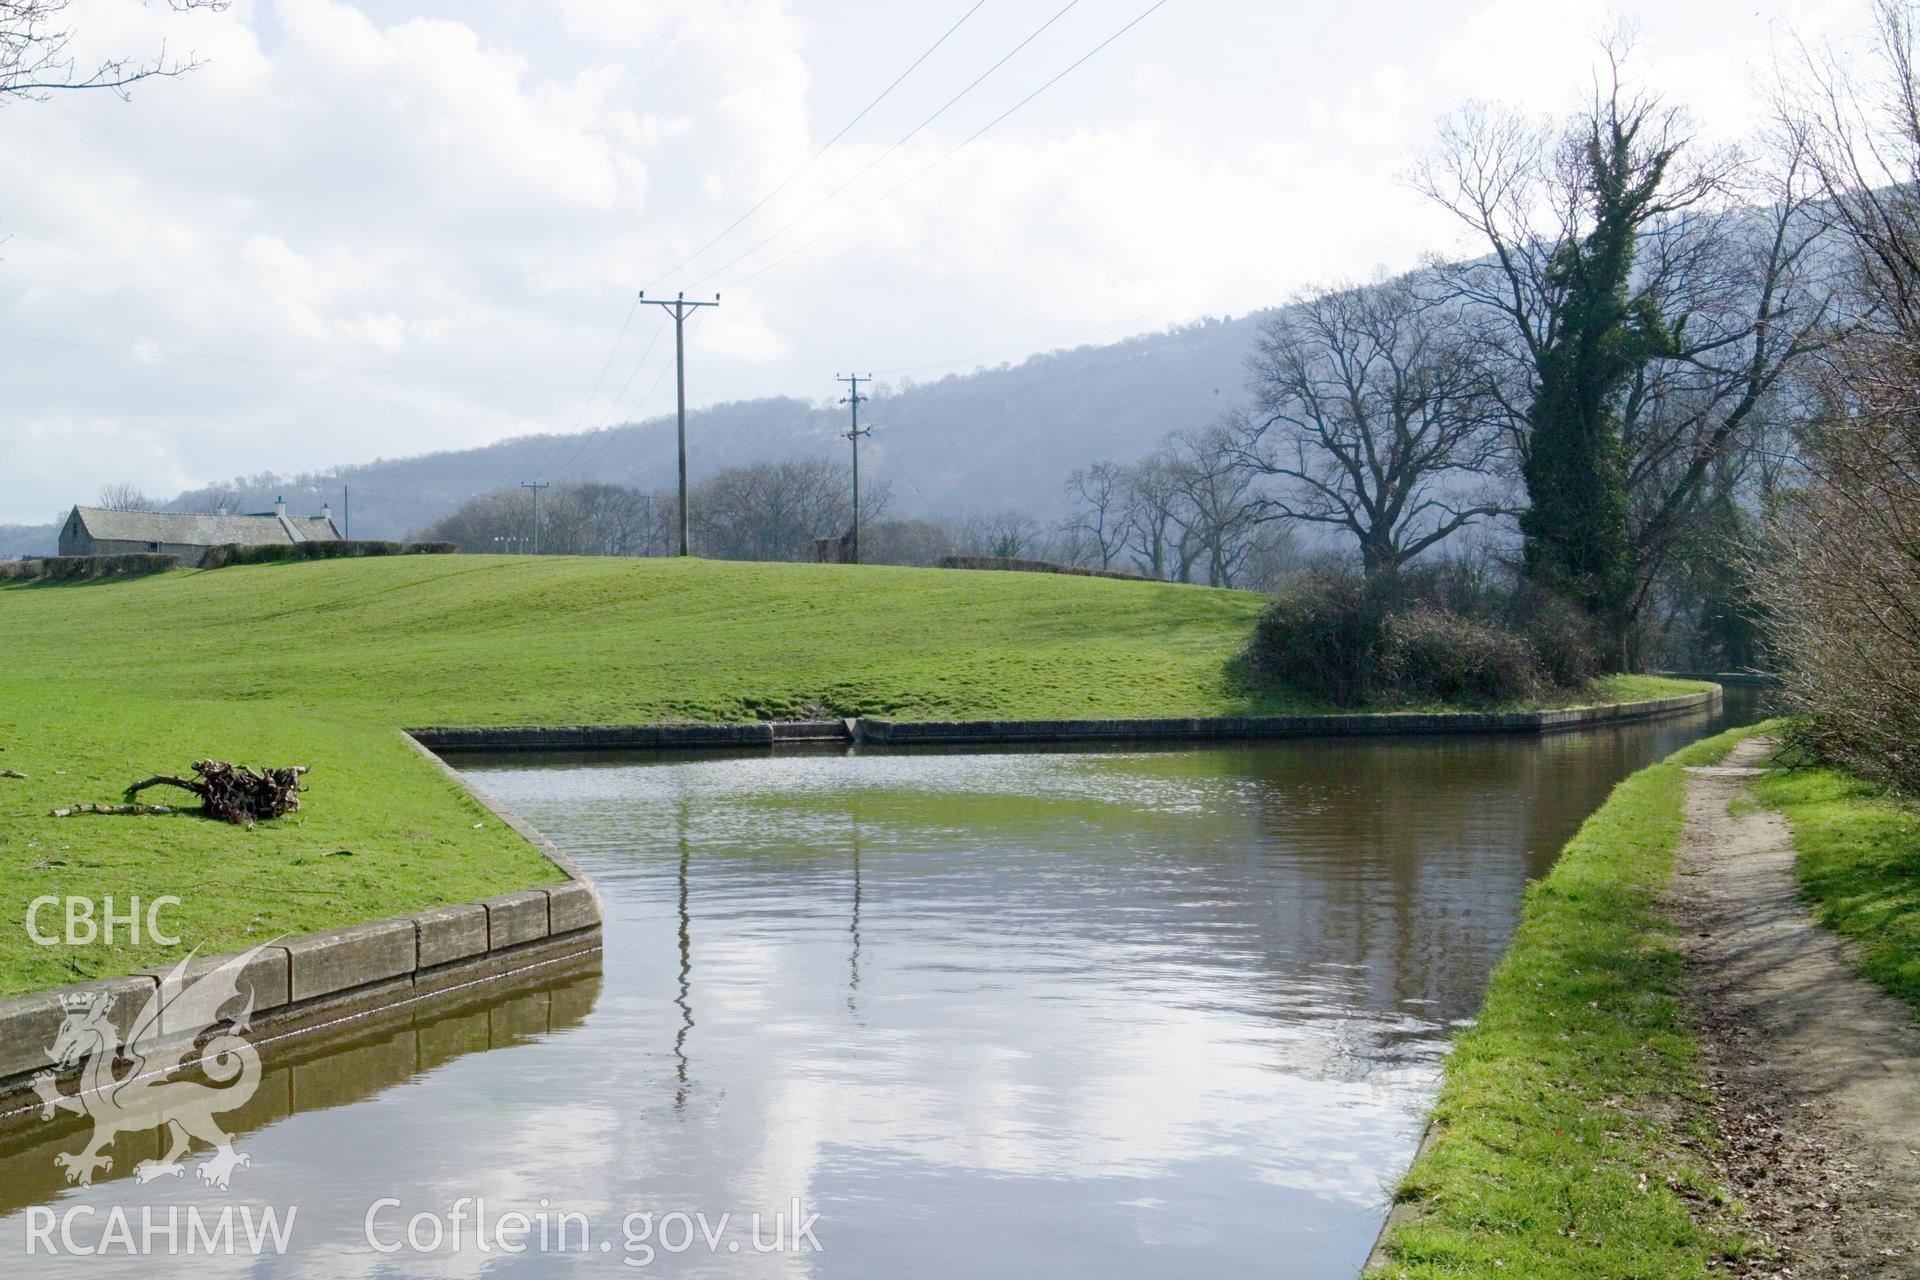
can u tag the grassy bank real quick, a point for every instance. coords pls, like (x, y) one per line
(1566, 1129)
(321, 663)
(1858, 865)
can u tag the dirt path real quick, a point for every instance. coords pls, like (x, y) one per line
(1816, 1071)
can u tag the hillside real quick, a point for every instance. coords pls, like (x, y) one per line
(990, 440)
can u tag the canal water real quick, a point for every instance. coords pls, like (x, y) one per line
(1082, 1013)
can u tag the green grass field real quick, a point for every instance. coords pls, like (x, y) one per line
(1858, 863)
(322, 663)
(1573, 1112)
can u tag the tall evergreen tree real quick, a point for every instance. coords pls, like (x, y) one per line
(1602, 332)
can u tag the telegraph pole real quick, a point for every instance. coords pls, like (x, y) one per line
(853, 399)
(536, 510)
(679, 308)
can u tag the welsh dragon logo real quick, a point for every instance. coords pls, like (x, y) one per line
(169, 1034)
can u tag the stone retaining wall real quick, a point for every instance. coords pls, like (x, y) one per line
(642, 737)
(978, 732)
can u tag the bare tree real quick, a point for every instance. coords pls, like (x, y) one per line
(1376, 419)
(1217, 512)
(915, 542)
(35, 61)
(1099, 518)
(1008, 535)
(773, 511)
(1152, 500)
(1841, 573)
(1755, 293)
(124, 497)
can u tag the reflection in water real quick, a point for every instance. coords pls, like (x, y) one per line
(853, 960)
(685, 997)
(1036, 1013)
(314, 1074)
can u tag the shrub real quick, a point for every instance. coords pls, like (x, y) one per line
(1430, 655)
(1565, 641)
(78, 568)
(1321, 637)
(327, 549)
(1349, 641)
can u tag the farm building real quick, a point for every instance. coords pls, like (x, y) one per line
(95, 531)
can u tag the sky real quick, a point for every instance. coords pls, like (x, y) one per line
(376, 229)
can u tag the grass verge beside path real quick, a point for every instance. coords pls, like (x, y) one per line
(1569, 1124)
(1858, 864)
(323, 663)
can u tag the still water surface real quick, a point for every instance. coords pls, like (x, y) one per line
(1091, 1013)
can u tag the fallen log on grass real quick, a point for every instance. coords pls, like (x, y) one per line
(137, 810)
(11, 773)
(235, 794)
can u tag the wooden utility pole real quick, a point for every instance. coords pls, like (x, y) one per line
(679, 308)
(853, 399)
(536, 487)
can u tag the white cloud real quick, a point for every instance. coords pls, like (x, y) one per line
(342, 188)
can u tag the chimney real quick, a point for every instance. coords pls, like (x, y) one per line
(280, 507)
(326, 512)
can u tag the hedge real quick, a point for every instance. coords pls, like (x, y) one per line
(74, 568)
(233, 553)
(1010, 565)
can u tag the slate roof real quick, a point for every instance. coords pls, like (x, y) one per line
(187, 529)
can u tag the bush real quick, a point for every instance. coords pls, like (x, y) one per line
(328, 549)
(1430, 655)
(1321, 637)
(78, 568)
(1351, 642)
(1565, 641)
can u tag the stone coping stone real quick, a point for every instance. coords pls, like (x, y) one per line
(451, 933)
(268, 975)
(514, 918)
(884, 732)
(542, 953)
(571, 906)
(340, 959)
(597, 737)
(30, 1024)
(963, 732)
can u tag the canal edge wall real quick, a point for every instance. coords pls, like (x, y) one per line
(310, 982)
(878, 732)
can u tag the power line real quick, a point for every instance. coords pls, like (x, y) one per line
(613, 431)
(788, 180)
(905, 138)
(614, 407)
(975, 136)
(578, 418)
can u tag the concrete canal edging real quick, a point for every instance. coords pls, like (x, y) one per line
(322, 980)
(876, 732)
